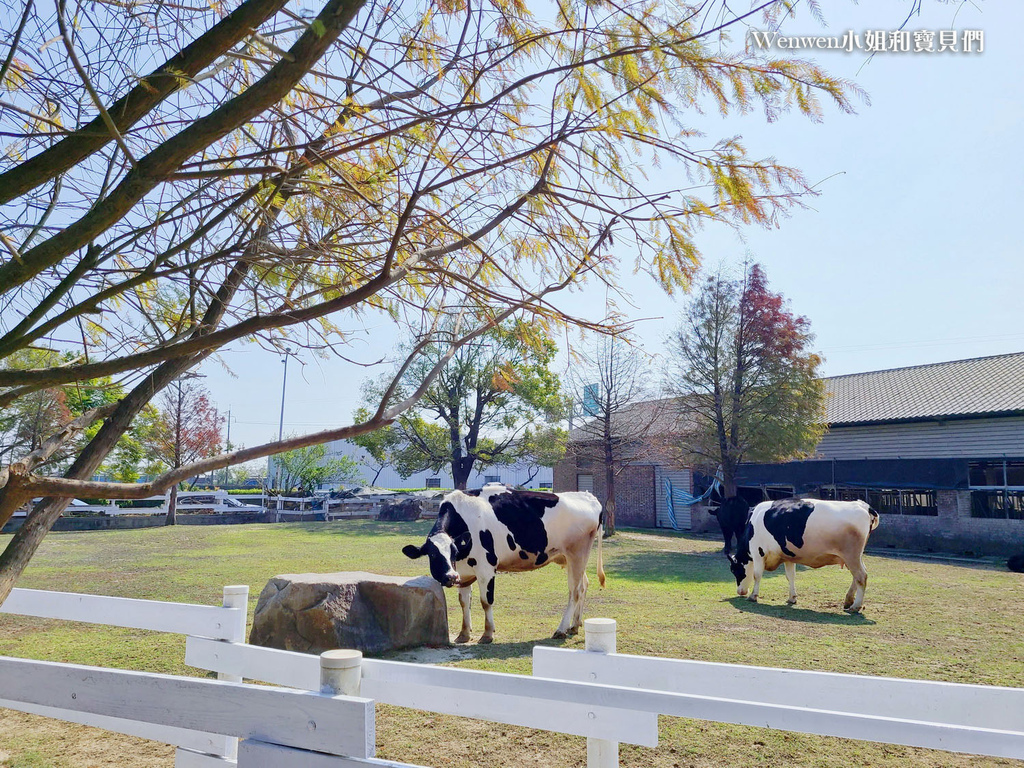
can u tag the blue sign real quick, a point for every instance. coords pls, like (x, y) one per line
(591, 400)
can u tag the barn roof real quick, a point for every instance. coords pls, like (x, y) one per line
(980, 386)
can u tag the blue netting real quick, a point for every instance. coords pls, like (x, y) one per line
(675, 496)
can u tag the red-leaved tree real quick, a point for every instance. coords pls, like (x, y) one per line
(188, 429)
(744, 377)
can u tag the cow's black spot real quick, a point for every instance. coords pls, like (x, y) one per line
(786, 520)
(490, 591)
(450, 521)
(541, 558)
(522, 513)
(511, 542)
(474, 492)
(523, 555)
(472, 562)
(760, 552)
(487, 541)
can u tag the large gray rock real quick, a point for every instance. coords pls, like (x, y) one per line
(315, 612)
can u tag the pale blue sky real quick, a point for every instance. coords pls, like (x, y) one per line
(910, 255)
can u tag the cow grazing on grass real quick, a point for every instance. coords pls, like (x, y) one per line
(732, 516)
(805, 531)
(495, 529)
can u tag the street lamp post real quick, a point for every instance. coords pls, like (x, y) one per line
(280, 426)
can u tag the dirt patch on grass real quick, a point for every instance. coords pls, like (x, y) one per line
(433, 655)
(45, 743)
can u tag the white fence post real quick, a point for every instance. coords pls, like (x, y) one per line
(599, 637)
(235, 596)
(341, 672)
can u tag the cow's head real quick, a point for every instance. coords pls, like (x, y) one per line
(741, 564)
(448, 542)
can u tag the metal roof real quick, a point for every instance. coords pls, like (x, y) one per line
(980, 386)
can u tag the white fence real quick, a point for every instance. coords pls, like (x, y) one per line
(218, 502)
(596, 693)
(188, 501)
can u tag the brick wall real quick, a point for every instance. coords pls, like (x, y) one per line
(634, 489)
(564, 475)
(954, 530)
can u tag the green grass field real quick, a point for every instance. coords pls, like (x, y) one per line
(672, 595)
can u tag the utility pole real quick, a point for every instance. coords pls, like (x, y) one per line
(280, 426)
(227, 445)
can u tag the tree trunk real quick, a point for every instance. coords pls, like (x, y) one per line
(609, 502)
(728, 478)
(609, 487)
(172, 506)
(461, 470)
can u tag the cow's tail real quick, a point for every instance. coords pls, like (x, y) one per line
(600, 558)
(874, 519)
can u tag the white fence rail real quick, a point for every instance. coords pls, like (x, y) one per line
(203, 718)
(975, 719)
(597, 693)
(551, 705)
(179, 618)
(335, 725)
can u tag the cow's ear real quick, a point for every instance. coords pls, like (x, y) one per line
(463, 545)
(412, 552)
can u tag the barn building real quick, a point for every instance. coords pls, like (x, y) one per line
(937, 450)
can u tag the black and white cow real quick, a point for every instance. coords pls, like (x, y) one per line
(732, 516)
(496, 529)
(807, 532)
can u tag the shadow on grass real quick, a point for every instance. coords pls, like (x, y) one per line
(792, 613)
(499, 650)
(673, 567)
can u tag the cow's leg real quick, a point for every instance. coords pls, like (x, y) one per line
(465, 597)
(791, 576)
(727, 535)
(855, 596)
(577, 617)
(576, 574)
(758, 566)
(486, 582)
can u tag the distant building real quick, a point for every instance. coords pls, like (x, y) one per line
(526, 475)
(937, 450)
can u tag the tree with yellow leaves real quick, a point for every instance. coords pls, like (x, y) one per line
(177, 176)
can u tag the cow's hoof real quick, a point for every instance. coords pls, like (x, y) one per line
(559, 635)
(851, 610)
(486, 639)
(573, 631)
(752, 598)
(791, 601)
(462, 638)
